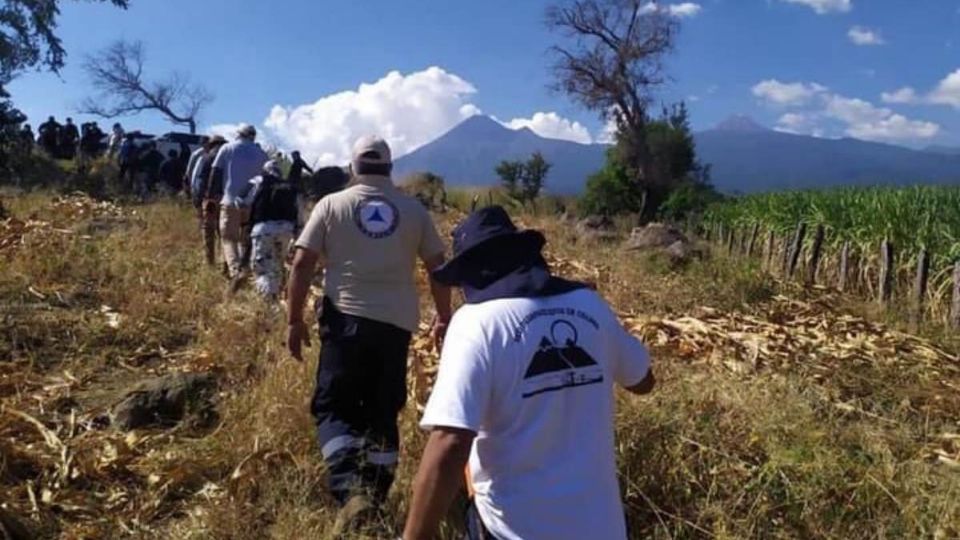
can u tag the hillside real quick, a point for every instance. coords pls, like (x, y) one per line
(759, 159)
(777, 414)
(745, 157)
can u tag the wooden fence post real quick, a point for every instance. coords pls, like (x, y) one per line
(731, 240)
(815, 255)
(753, 239)
(771, 238)
(955, 308)
(796, 248)
(920, 284)
(844, 266)
(886, 272)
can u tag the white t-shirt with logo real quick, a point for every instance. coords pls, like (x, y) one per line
(533, 377)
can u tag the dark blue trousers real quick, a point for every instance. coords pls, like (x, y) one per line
(361, 388)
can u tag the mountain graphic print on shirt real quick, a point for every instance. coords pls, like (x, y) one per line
(560, 363)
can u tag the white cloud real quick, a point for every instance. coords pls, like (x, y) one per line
(227, 131)
(406, 110)
(867, 121)
(864, 36)
(553, 126)
(780, 93)
(825, 6)
(608, 134)
(904, 95)
(859, 118)
(948, 91)
(685, 9)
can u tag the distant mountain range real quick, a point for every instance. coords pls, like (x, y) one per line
(468, 154)
(744, 156)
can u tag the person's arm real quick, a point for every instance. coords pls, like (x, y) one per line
(307, 168)
(441, 301)
(645, 386)
(252, 192)
(438, 480)
(304, 265)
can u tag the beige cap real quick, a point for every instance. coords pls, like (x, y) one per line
(372, 150)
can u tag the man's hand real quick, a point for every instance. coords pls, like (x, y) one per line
(304, 262)
(297, 336)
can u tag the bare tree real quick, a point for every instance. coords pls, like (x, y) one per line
(613, 63)
(117, 73)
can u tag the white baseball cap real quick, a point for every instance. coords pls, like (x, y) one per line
(372, 150)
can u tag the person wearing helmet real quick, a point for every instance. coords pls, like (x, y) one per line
(233, 168)
(369, 238)
(273, 219)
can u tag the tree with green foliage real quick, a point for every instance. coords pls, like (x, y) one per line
(524, 180)
(685, 183)
(611, 63)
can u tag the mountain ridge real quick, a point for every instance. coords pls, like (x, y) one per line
(745, 157)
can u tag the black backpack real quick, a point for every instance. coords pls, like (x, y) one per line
(275, 201)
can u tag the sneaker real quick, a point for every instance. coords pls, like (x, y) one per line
(354, 515)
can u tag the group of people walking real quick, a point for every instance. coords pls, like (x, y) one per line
(243, 198)
(522, 410)
(65, 141)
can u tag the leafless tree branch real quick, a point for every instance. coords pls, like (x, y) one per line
(117, 73)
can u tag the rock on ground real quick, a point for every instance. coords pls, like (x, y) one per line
(655, 236)
(596, 228)
(165, 400)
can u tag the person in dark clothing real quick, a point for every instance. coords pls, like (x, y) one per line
(49, 132)
(127, 159)
(209, 206)
(26, 138)
(171, 171)
(274, 215)
(148, 168)
(90, 141)
(296, 170)
(69, 137)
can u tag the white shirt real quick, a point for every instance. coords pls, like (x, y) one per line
(240, 161)
(192, 163)
(533, 377)
(196, 175)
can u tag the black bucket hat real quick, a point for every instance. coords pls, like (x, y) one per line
(484, 230)
(493, 260)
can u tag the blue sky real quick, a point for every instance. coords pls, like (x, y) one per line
(316, 74)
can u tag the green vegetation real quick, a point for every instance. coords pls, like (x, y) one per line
(680, 185)
(912, 218)
(524, 180)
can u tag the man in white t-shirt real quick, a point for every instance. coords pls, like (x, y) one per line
(525, 396)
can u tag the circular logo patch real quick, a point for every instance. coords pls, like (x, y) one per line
(377, 217)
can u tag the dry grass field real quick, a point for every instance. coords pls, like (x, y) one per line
(780, 413)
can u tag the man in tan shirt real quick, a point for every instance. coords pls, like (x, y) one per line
(368, 239)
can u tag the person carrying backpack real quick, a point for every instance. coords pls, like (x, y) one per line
(273, 218)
